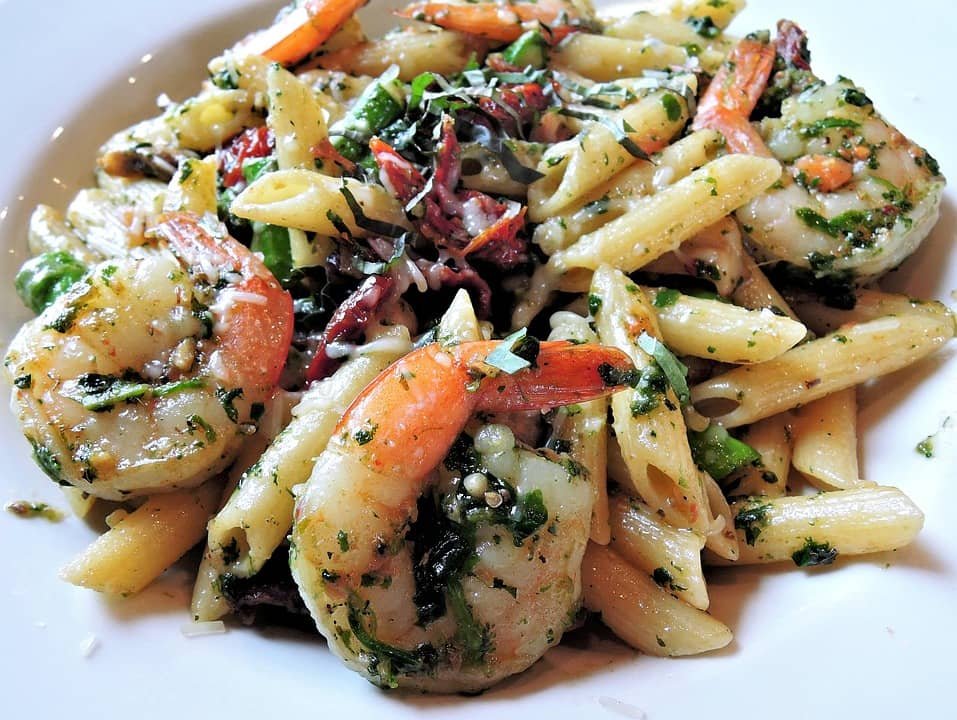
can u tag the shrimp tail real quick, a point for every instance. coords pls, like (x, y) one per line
(301, 31)
(253, 352)
(502, 22)
(409, 416)
(733, 94)
(564, 374)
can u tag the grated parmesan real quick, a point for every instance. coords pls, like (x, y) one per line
(89, 646)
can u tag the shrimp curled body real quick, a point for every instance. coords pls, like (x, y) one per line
(857, 197)
(145, 376)
(447, 579)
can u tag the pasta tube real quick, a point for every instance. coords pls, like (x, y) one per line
(642, 614)
(649, 426)
(722, 332)
(814, 529)
(137, 550)
(825, 441)
(663, 221)
(670, 556)
(823, 366)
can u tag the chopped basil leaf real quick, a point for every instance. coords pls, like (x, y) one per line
(752, 519)
(666, 297)
(674, 369)
(516, 352)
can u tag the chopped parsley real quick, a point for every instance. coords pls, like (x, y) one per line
(819, 127)
(672, 107)
(814, 553)
(704, 26)
(226, 398)
(752, 519)
(926, 447)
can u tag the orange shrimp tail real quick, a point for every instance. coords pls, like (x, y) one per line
(565, 374)
(301, 31)
(501, 22)
(404, 422)
(253, 350)
(734, 93)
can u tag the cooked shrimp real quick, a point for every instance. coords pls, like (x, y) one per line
(146, 375)
(858, 197)
(447, 581)
(734, 93)
(301, 31)
(500, 21)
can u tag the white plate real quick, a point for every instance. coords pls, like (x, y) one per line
(868, 637)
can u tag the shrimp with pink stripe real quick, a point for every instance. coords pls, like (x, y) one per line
(857, 197)
(149, 372)
(437, 553)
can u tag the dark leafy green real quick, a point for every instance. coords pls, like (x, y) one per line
(46, 277)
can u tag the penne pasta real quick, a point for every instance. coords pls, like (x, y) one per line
(297, 121)
(825, 441)
(670, 556)
(147, 541)
(868, 305)
(258, 515)
(821, 367)
(615, 197)
(193, 188)
(771, 438)
(814, 529)
(574, 168)
(722, 332)
(650, 428)
(665, 220)
(309, 201)
(642, 614)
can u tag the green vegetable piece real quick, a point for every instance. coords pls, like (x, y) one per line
(926, 447)
(719, 454)
(422, 660)
(527, 516)
(27, 509)
(473, 639)
(672, 106)
(380, 104)
(98, 392)
(529, 50)
(666, 298)
(704, 26)
(255, 168)
(819, 127)
(273, 242)
(46, 277)
(47, 461)
(419, 85)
